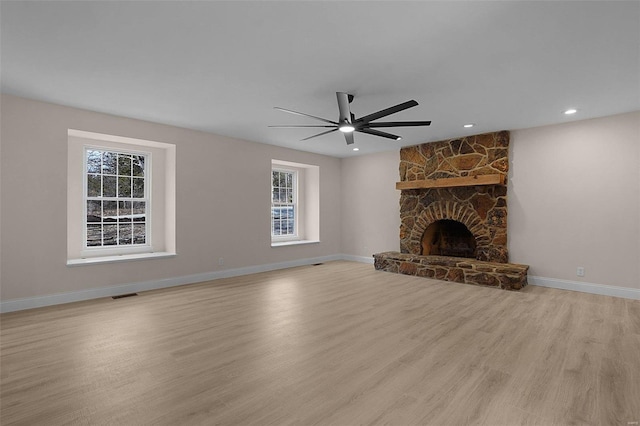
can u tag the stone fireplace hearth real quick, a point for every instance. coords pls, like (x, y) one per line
(453, 213)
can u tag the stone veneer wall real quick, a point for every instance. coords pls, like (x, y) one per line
(482, 208)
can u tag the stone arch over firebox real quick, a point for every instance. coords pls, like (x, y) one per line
(439, 210)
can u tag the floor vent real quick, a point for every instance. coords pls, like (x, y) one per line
(120, 296)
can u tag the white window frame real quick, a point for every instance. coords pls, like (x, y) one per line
(294, 204)
(307, 203)
(161, 208)
(95, 251)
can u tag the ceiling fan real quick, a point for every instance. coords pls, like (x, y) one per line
(347, 123)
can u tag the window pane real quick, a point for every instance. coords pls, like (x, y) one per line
(94, 159)
(139, 233)
(283, 179)
(124, 165)
(109, 162)
(289, 196)
(290, 227)
(110, 235)
(110, 211)
(93, 186)
(289, 180)
(138, 187)
(109, 187)
(94, 211)
(139, 211)
(125, 234)
(94, 235)
(124, 186)
(138, 165)
(124, 211)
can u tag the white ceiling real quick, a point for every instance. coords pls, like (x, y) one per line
(221, 67)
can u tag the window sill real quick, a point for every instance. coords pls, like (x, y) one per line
(293, 243)
(118, 258)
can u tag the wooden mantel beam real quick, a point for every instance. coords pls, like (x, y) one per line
(495, 179)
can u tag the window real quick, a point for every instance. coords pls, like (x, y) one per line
(116, 198)
(295, 203)
(120, 198)
(283, 204)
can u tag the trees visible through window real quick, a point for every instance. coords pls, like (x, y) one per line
(116, 199)
(283, 203)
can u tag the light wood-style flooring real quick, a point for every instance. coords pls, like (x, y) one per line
(338, 343)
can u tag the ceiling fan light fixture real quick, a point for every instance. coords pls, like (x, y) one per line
(347, 122)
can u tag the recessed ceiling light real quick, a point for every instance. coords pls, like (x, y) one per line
(356, 149)
(469, 125)
(570, 111)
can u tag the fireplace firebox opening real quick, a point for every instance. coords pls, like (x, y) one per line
(447, 237)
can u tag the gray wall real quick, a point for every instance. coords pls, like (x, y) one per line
(223, 202)
(574, 195)
(573, 200)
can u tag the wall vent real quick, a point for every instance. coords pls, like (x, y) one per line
(120, 296)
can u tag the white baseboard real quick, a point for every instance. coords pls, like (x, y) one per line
(361, 259)
(77, 296)
(601, 289)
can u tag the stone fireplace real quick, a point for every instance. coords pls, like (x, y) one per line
(453, 213)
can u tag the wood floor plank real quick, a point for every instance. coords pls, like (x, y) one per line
(338, 343)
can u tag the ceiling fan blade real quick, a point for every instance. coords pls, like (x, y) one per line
(349, 138)
(343, 106)
(387, 111)
(398, 124)
(319, 134)
(305, 115)
(304, 125)
(379, 133)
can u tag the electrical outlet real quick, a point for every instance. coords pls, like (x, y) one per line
(580, 271)
(221, 261)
